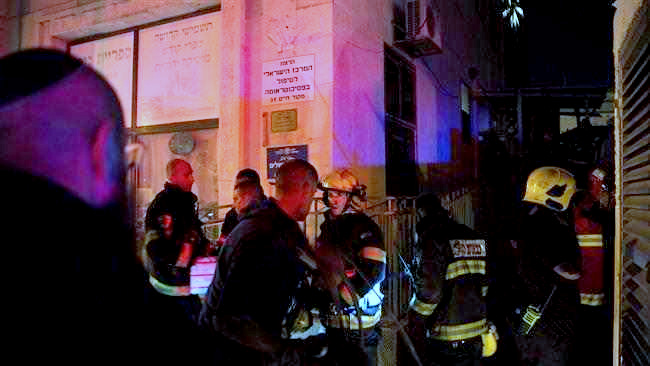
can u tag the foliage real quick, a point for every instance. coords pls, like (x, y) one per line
(512, 12)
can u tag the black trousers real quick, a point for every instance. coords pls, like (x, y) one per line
(593, 341)
(352, 347)
(228, 352)
(457, 353)
(543, 348)
(174, 333)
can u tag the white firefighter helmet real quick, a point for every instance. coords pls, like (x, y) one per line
(550, 186)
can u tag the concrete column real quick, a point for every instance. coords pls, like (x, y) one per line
(232, 114)
(10, 26)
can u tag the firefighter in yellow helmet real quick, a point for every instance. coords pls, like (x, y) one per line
(545, 293)
(352, 244)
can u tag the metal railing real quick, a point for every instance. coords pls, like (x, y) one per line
(397, 219)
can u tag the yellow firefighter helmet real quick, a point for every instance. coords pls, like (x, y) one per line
(340, 180)
(344, 181)
(550, 186)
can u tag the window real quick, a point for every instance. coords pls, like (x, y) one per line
(166, 74)
(399, 91)
(466, 114)
(113, 58)
(400, 87)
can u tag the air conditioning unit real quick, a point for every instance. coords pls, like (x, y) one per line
(422, 36)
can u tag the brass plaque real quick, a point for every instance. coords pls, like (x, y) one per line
(284, 120)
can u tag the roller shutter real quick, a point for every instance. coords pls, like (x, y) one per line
(633, 157)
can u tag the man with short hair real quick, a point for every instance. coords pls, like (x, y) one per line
(250, 300)
(247, 196)
(173, 241)
(248, 193)
(72, 279)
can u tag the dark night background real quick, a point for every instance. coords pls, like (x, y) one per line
(562, 43)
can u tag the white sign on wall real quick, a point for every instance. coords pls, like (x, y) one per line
(288, 80)
(112, 57)
(178, 71)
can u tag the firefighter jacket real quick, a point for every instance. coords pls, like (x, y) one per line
(163, 250)
(258, 279)
(451, 281)
(588, 221)
(359, 241)
(545, 240)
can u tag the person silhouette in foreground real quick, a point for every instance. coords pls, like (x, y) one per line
(72, 279)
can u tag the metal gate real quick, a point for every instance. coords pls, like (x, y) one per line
(396, 217)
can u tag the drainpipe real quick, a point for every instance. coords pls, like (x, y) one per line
(15, 30)
(520, 122)
(19, 24)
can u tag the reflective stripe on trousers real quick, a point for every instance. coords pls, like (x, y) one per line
(592, 299)
(460, 331)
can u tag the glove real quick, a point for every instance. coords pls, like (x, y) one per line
(567, 271)
(166, 223)
(190, 241)
(489, 340)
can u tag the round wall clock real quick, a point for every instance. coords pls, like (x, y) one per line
(181, 143)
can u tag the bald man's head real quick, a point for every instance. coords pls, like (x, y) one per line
(60, 120)
(295, 186)
(180, 173)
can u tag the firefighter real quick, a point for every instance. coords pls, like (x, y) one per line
(546, 293)
(353, 245)
(173, 241)
(592, 221)
(448, 314)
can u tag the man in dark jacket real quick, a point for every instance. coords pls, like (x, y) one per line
(248, 194)
(173, 241)
(259, 273)
(451, 285)
(73, 288)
